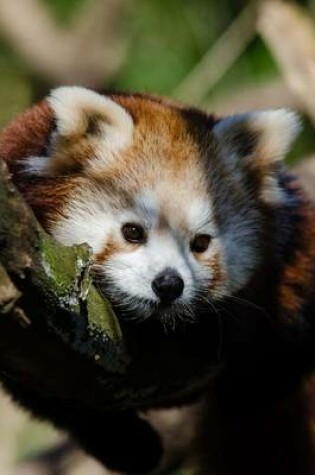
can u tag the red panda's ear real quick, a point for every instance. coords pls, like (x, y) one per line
(257, 141)
(79, 111)
(261, 136)
(90, 127)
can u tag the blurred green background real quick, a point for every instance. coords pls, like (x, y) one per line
(204, 52)
(167, 38)
(164, 40)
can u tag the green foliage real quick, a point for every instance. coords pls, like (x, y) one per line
(15, 92)
(169, 36)
(64, 10)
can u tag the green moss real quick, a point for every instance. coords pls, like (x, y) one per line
(66, 272)
(64, 11)
(101, 316)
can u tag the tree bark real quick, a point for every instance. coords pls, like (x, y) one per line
(56, 276)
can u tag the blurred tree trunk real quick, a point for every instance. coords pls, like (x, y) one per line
(46, 290)
(289, 32)
(88, 52)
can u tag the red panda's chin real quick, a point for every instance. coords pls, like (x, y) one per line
(136, 309)
(170, 315)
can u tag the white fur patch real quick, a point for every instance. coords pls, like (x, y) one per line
(279, 128)
(199, 216)
(147, 207)
(89, 219)
(72, 105)
(134, 272)
(36, 165)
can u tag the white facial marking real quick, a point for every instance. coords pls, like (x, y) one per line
(148, 208)
(171, 217)
(90, 220)
(135, 271)
(199, 216)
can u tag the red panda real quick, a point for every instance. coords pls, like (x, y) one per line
(190, 218)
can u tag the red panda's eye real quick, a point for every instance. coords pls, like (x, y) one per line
(133, 233)
(200, 243)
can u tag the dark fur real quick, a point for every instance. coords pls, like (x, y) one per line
(267, 334)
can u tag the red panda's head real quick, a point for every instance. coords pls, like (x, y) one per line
(171, 200)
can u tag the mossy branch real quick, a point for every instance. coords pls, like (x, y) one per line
(48, 285)
(59, 338)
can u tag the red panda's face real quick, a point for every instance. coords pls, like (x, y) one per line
(169, 199)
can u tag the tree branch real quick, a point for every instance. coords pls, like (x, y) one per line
(275, 94)
(56, 277)
(290, 34)
(60, 316)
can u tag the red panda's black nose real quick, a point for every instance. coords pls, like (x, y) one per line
(168, 285)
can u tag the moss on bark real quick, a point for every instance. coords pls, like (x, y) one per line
(50, 283)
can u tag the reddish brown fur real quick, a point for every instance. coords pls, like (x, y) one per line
(297, 281)
(29, 136)
(158, 130)
(113, 247)
(71, 154)
(219, 276)
(161, 132)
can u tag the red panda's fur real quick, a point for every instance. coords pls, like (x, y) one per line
(261, 412)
